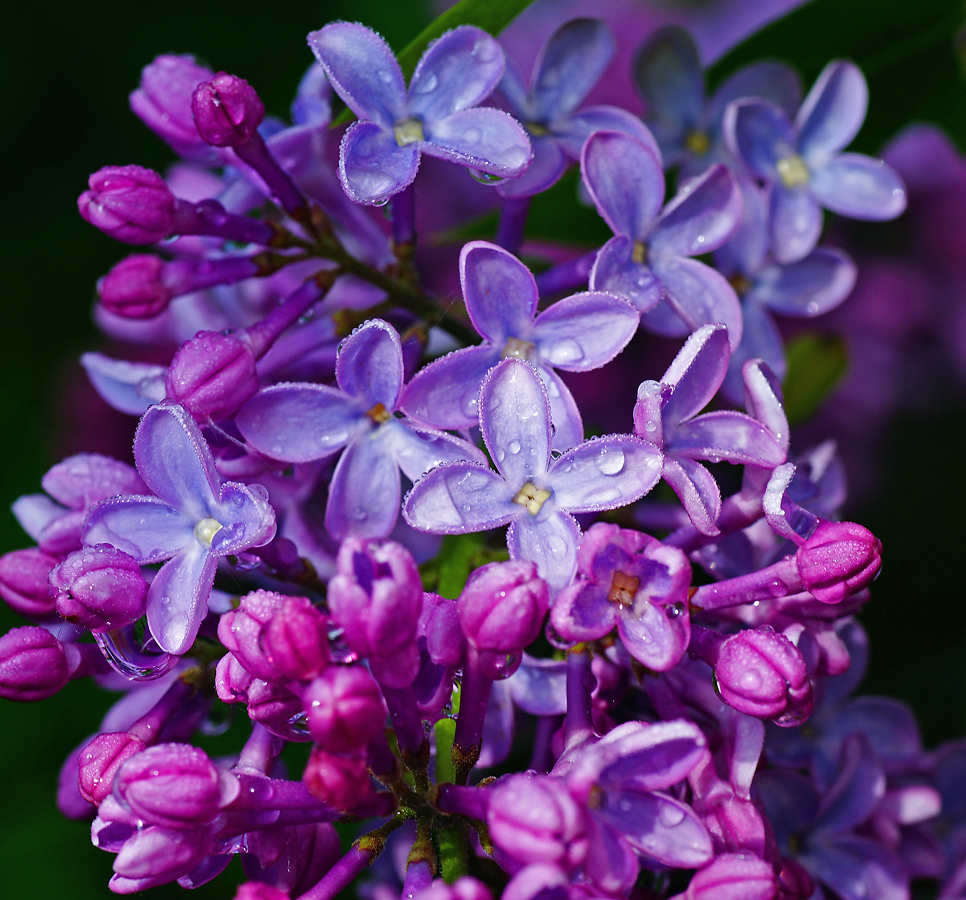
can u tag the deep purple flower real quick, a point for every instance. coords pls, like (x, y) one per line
(438, 115)
(212, 375)
(531, 491)
(192, 521)
(733, 876)
(130, 203)
(23, 582)
(341, 782)
(838, 559)
(802, 163)
(227, 110)
(33, 664)
(240, 630)
(99, 760)
(649, 260)
(295, 639)
(576, 334)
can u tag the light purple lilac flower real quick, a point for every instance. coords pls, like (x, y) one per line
(649, 260)
(802, 165)
(192, 521)
(303, 422)
(531, 491)
(438, 115)
(571, 62)
(666, 413)
(576, 334)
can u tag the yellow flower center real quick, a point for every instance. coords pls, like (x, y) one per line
(206, 530)
(532, 497)
(623, 588)
(518, 349)
(409, 131)
(697, 142)
(793, 171)
(379, 414)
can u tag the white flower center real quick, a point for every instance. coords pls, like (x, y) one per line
(518, 349)
(531, 497)
(409, 131)
(793, 171)
(206, 530)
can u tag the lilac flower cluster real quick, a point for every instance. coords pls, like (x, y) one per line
(394, 542)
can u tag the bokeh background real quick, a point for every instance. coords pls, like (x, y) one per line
(66, 70)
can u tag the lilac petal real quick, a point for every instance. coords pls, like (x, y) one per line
(585, 331)
(663, 320)
(583, 613)
(646, 757)
(362, 69)
(373, 166)
(569, 65)
(764, 401)
(568, 427)
(833, 112)
(299, 422)
(369, 366)
(760, 340)
(785, 517)
(857, 868)
(539, 686)
(668, 75)
(460, 498)
(766, 80)
(446, 393)
(857, 791)
(417, 451)
(34, 512)
(796, 223)
(178, 598)
(515, 421)
(789, 799)
(548, 165)
(888, 724)
(653, 638)
(364, 492)
(696, 373)
(759, 133)
(614, 271)
(664, 829)
(482, 138)
(499, 292)
(700, 295)
(701, 217)
(174, 461)
(747, 250)
(725, 435)
(611, 862)
(605, 473)
(458, 70)
(246, 517)
(129, 387)
(859, 187)
(810, 287)
(512, 87)
(697, 490)
(625, 181)
(147, 528)
(573, 133)
(550, 542)
(497, 726)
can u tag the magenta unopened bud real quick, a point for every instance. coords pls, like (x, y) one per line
(345, 709)
(174, 786)
(129, 203)
(99, 761)
(839, 559)
(296, 640)
(240, 631)
(33, 664)
(212, 375)
(794, 882)
(440, 624)
(227, 110)
(734, 876)
(278, 709)
(100, 588)
(135, 288)
(23, 581)
(341, 782)
(232, 680)
(257, 890)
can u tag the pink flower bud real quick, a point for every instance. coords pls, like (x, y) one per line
(257, 890)
(240, 631)
(129, 203)
(734, 876)
(33, 664)
(100, 588)
(341, 782)
(135, 288)
(99, 761)
(23, 582)
(345, 709)
(227, 110)
(232, 680)
(277, 708)
(839, 559)
(445, 642)
(212, 375)
(296, 640)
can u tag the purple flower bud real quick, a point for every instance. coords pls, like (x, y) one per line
(440, 624)
(99, 761)
(533, 819)
(277, 708)
(227, 110)
(240, 631)
(135, 289)
(734, 876)
(129, 203)
(794, 882)
(212, 375)
(257, 890)
(232, 680)
(341, 782)
(464, 888)
(839, 559)
(296, 640)
(33, 664)
(100, 588)
(23, 581)
(174, 786)
(345, 709)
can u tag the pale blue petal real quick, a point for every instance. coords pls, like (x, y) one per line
(460, 498)
(499, 292)
(482, 138)
(549, 541)
(585, 331)
(833, 112)
(614, 271)
(364, 492)
(700, 295)
(148, 529)
(369, 367)
(796, 223)
(697, 490)
(418, 450)
(178, 598)
(859, 187)
(372, 166)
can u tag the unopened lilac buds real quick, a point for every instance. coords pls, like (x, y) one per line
(129, 203)
(23, 581)
(174, 786)
(341, 782)
(135, 288)
(839, 559)
(296, 640)
(240, 631)
(33, 664)
(99, 761)
(227, 110)
(212, 375)
(100, 588)
(345, 709)
(733, 876)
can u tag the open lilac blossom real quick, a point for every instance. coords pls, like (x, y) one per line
(439, 114)
(192, 520)
(531, 491)
(576, 334)
(649, 260)
(802, 165)
(666, 413)
(576, 55)
(303, 422)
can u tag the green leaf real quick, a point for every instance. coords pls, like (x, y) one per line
(490, 15)
(906, 48)
(816, 364)
(456, 557)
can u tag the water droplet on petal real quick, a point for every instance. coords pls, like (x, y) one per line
(428, 84)
(670, 816)
(610, 461)
(515, 447)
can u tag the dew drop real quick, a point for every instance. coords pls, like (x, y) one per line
(428, 84)
(610, 461)
(670, 816)
(515, 447)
